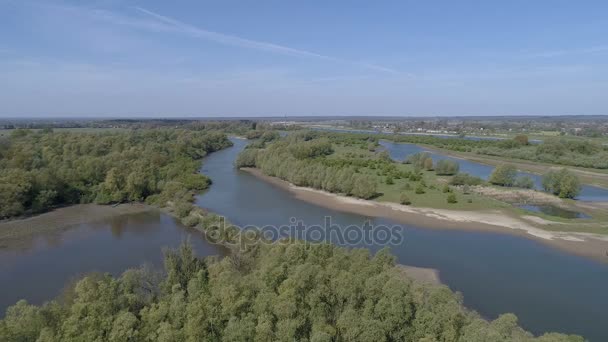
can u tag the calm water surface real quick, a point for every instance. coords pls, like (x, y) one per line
(547, 289)
(399, 152)
(39, 270)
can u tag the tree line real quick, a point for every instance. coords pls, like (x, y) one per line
(41, 170)
(301, 159)
(288, 291)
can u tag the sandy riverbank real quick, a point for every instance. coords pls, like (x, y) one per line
(593, 246)
(18, 231)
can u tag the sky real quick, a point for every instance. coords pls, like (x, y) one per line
(159, 58)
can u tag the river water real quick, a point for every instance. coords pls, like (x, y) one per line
(399, 152)
(548, 290)
(39, 269)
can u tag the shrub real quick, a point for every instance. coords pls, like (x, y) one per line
(420, 189)
(446, 189)
(452, 198)
(404, 199)
(428, 164)
(447, 168)
(389, 180)
(465, 179)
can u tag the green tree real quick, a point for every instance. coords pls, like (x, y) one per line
(446, 167)
(524, 182)
(503, 175)
(563, 183)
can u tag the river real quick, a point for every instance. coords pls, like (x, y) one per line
(497, 273)
(548, 290)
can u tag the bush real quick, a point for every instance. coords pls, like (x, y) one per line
(428, 164)
(447, 168)
(446, 189)
(504, 175)
(465, 179)
(389, 180)
(562, 183)
(420, 189)
(452, 198)
(404, 199)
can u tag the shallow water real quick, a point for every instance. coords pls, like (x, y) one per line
(399, 152)
(554, 211)
(39, 270)
(497, 273)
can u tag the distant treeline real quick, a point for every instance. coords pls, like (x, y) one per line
(560, 151)
(290, 291)
(40, 170)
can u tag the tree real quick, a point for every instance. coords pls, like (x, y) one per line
(503, 175)
(563, 183)
(524, 182)
(446, 167)
(364, 187)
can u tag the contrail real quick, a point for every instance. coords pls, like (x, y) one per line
(251, 44)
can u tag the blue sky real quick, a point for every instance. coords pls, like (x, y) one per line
(276, 58)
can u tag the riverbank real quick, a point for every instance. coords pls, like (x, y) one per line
(20, 232)
(593, 246)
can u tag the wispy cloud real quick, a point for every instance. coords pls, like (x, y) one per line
(252, 44)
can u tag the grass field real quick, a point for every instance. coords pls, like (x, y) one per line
(433, 197)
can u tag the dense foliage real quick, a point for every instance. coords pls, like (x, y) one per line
(281, 292)
(562, 183)
(41, 170)
(503, 175)
(300, 159)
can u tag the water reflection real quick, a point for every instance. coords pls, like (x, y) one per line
(38, 270)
